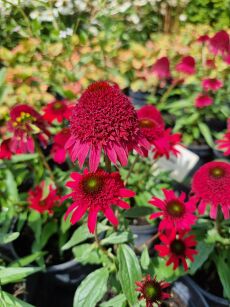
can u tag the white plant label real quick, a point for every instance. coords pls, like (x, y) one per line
(179, 166)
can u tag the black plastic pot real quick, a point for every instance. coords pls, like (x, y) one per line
(143, 234)
(189, 292)
(205, 154)
(139, 99)
(219, 154)
(214, 300)
(57, 285)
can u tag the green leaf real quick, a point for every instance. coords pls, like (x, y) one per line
(117, 301)
(26, 260)
(82, 234)
(24, 157)
(158, 267)
(138, 211)
(91, 289)
(129, 272)
(204, 250)
(8, 300)
(11, 186)
(223, 268)
(86, 253)
(8, 237)
(145, 259)
(116, 238)
(205, 131)
(8, 275)
(47, 232)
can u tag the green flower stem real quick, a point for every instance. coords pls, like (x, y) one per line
(131, 169)
(45, 163)
(108, 164)
(105, 251)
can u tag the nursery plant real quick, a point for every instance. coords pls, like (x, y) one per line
(72, 187)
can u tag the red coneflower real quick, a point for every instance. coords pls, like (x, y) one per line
(96, 192)
(220, 43)
(152, 290)
(40, 202)
(5, 152)
(203, 101)
(25, 122)
(212, 84)
(224, 144)
(186, 65)
(177, 247)
(104, 119)
(176, 212)
(165, 144)
(211, 186)
(58, 151)
(203, 38)
(151, 122)
(162, 68)
(57, 109)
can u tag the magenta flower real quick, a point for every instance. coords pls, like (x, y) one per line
(38, 202)
(175, 211)
(5, 152)
(224, 144)
(25, 122)
(177, 247)
(58, 151)
(165, 144)
(203, 39)
(186, 65)
(211, 186)
(162, 68)
(94, 192)
(203, 101)
(220, 43)
(152, 290)
(212, 84)
(104, 119)
(57, 109)
(151, 122)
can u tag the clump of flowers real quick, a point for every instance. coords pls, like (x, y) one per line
(58, 151)
(176, 212)
(40, 202)
(203, 100)
(186, 65)
(152, 290)
(153, 128)
(57, 110)
(94, 192)
(104, 120)
(177, 247)
(162, 68)
(26, 124)
(211, 186)
(224, 143)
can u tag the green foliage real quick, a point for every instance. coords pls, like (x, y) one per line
(8, 300)
(129, 272)
(91, 289)
(213, 12)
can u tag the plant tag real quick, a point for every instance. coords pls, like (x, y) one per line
(180, 166)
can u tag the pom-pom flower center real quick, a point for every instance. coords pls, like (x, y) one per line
(175, 208)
